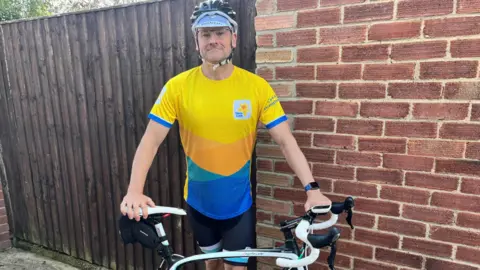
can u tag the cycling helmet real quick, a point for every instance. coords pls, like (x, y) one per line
(212, 13)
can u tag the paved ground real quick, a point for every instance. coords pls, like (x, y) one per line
(17, 259)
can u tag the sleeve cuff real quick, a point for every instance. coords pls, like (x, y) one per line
(277, 121)
(160, 120)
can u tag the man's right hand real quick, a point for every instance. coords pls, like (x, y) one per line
(133, 202)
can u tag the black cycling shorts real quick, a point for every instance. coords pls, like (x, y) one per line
(231, 234)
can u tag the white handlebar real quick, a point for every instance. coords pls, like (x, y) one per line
(301, 232)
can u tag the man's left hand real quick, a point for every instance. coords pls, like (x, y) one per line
(316, 198)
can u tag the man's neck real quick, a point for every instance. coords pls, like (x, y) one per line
(220, 73)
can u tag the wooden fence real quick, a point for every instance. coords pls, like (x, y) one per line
(75, 92)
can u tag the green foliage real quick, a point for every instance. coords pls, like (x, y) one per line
(19, 9)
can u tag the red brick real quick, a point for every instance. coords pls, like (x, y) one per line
(264, 190)
(289, 195)
(355, 189)
(273, 56)
(475, 112)
(343, 35)
(359, 264)
(415, 90)
(265, 7)
(465, 48)
(401, 226)
(456, 201)
(395, 30)
(5, 244)
(384, 110)
(296, 38)
(283, 89)
(355, 249)
(295, 73)
(314, 124)
(339, 72)
(402, 71)
(423, 50)
(471, 186)
(382, 145)
(468, 220)
(334, 141)
(265, 72)
(297, 106)
(360, 53)
(274, 22)
(427, 247)
(264, 164)
(316, 90)
(360, 127)
(398, 258)
(336, 108)
(463, 90)
(319, 17)
(448, 70)
(377, 238)
(408, 195)
(361, 220)
(368, 12)
(263, 217)
(265, 40)
(434, 264)
(283, 5)
(264, 137)
(460, 131)
(324, 3)
(358, 159)
(269, 151)
(379, 176)
(452, 27)
(275, 206)
(340, 260)
(269, 231)
(361, 90)
(319, 54)
(282, 167)
(436, 148)
(303, 139)
(274, 179)
(333, 171)
(431, 181)
(405, 162)
(464, 237)
(424, 8)
(427, 214)
(372, 206)
(468, 254)
(411, 129)
(318, 155)
(468, 6)
(4, 235)
(440, 111)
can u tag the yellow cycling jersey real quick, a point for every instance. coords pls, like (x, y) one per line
(218, 122)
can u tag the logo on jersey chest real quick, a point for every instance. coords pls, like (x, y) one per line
(242, 109)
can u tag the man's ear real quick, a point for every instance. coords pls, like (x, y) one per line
(234, 40)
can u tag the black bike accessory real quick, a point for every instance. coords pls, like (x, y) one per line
(346, 206)
(142, 231)
(311, 186)
(331, 257)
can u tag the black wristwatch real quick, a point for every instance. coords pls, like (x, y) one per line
(312, 186)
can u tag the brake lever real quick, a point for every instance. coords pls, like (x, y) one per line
(331, 257)
(349, 204)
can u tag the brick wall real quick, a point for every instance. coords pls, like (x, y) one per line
(384, 99)
(4, 228)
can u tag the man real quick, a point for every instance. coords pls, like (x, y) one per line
(218, 106)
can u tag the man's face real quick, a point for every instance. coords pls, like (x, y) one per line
(215, 43)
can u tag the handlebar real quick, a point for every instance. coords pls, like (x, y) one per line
(305, 226)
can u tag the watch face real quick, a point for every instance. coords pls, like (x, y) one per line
(314, 185)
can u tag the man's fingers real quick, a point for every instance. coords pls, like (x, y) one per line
(144, 210)
(150, 202)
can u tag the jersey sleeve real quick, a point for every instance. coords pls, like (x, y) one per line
(164, 111)
(272, 112)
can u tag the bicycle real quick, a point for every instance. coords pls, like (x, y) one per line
(150, 233)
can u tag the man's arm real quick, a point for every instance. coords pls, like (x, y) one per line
(282, 135)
